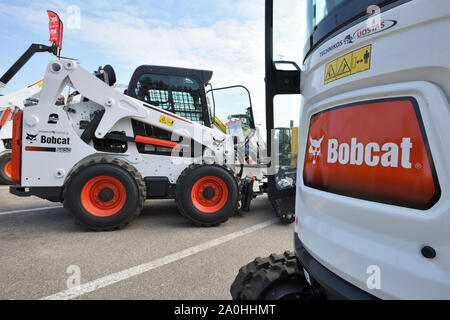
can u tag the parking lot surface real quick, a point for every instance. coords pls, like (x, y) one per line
(159, 256)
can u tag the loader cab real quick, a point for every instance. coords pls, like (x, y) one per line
(177, 90)
(189, 94)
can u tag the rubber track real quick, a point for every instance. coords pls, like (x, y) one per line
(254, 278)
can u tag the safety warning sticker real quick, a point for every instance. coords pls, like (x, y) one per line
(167, 121)
(352, 63)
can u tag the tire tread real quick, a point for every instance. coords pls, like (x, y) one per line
(117, 162)
(180, 206)
(257, 276)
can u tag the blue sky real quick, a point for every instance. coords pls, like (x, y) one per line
(225, 36)
(204, 23)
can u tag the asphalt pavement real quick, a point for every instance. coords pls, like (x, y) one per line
(45, 255)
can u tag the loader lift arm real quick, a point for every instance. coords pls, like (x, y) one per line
(15, 68)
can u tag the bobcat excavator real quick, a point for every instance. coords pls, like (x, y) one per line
(371, 194)
(103, 153)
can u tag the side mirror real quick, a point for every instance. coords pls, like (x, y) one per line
(287, 77)
(286, 66)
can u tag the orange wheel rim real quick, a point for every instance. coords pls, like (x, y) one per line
(7, 169)
(103, 196)
(209, 194)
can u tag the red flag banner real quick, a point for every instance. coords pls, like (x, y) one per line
(56, 29)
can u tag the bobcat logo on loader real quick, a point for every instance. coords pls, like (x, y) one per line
(315, 149)
(31, 137)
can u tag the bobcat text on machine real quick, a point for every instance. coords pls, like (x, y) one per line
(104, 153)
(372, 198)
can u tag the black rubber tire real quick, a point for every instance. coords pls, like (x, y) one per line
(4, 159)
(259, 279)
(121, 170)
(185, 185)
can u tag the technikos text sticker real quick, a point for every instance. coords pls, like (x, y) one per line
(376, 151)
(352, 63)
(361, 33)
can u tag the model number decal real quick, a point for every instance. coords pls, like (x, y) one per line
(167, 121)
(352, 63)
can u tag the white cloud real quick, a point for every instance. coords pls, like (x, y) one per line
(232, 47)
(289, 30)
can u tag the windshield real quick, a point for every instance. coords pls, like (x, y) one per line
(317, 10)
(325, 17)
(177, 94)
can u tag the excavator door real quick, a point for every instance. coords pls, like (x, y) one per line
(283, 102)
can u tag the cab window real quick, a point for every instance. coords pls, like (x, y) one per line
(178, 95)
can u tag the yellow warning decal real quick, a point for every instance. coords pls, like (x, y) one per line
(167, 121)
(352, 63)
(39, 84)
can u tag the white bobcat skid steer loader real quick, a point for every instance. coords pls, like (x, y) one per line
(10, 104)
(105, 155)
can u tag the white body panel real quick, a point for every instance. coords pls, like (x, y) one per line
(347, 235)
(15, 100)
